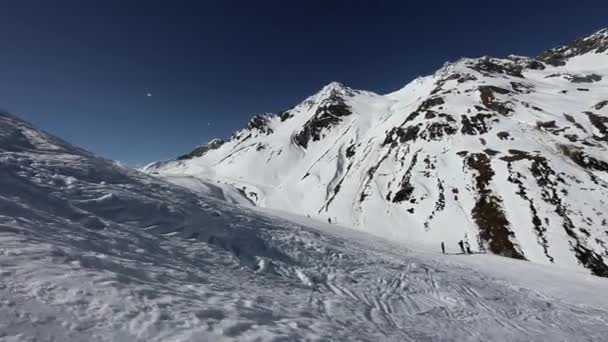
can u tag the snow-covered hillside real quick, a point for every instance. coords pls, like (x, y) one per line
(92, 251)
(510, 153)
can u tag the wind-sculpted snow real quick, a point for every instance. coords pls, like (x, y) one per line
(508, 153)
(93, 251)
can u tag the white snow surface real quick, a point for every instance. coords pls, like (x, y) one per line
(508, 154)
(93, 251)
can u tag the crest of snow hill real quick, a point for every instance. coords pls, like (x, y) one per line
(509, 153)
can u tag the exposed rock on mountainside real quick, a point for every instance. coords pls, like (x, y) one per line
(201, 150)
(328, 114)
(596, 43)
(508, 153)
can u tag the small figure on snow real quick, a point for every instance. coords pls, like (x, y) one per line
(329, 220)
(461, 245)
(467, 247)
(442, 247)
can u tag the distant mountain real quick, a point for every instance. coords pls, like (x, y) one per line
(509, 153)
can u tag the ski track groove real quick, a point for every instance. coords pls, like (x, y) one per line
(420, 290)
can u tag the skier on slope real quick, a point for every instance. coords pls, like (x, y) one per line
(461, 244)
(442, 247)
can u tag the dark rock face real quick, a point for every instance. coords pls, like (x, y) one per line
(460, 78)
(585, 78)
(439, 204)
(437, 130)
(489, 100)
(521, 88)
(591, 78)
(440, 125)
(405, 187)
(503, 135)
(543, 174)
(202, 150)
(329, 114)
(601, 123)
(401, 135)
(424, 108)
(285, 116)
(573, 121)
(528, 63)
(350, 151)
(548, 180)
(488, 211)
(260, 123)
(601, 105)
(548, 126)
(534, 65)
(597, 43)
(370, 178)
(583, 160)
(475, 124)
(490, 67)
(540, 228)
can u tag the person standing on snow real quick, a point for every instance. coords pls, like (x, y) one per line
(467, 247)
(442, 247)
(461, 244)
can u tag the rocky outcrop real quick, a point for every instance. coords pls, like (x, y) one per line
(203, 149)
(328, 114)
(596, 43)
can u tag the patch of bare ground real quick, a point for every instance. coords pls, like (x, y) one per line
(488, 212)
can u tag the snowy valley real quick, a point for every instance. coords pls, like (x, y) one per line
(216, 245)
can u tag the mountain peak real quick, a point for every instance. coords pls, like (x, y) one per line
(201, 150)
(331, 90)
(334, 88)
(595, 43)
(600, 33)
(334, 85)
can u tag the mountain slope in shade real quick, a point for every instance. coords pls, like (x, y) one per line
(508, 153)
(91, 251)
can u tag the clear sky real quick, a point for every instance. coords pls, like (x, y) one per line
(83, 69)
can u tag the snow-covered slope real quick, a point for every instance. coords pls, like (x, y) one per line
(91, 251)
(509, 153)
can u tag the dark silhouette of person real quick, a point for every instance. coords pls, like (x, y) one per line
(329, 220)
(442, 247)
(461, 244)
(467, 247)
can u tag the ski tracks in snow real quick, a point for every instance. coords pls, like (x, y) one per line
(402, 297)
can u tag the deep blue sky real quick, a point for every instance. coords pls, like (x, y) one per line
(81, 69)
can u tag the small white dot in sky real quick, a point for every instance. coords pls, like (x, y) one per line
(149, 94)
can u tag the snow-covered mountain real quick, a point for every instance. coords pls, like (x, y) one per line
(509, 153)
(92, 251)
